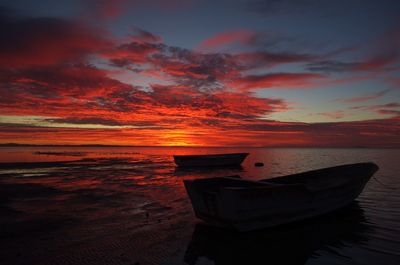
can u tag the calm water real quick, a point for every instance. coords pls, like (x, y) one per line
(112, 205)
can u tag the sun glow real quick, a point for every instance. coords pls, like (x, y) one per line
(178, 138)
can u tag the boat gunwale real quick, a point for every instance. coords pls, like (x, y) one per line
(269, 183)
(222, 192)
(210, 155)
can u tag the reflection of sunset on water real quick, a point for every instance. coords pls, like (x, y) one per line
(69, 201)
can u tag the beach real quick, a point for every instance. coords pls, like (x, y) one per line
(128, 205)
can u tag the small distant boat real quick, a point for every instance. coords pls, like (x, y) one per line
(210, 160)
(248, 205)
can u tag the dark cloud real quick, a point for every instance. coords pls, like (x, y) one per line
(385, 56)
(91, 120)
(338, 114)
(330, 66)
(326, 9)
(111, 9)
(132, 53)
(61, 80)
(105, 9)
(184, 66)
(279, 7)
(204, 71)
(31, 42)
(377, 63)
(365, 97)
(383, 109)
(140, 35)
(258, 59)
(277, 80)
(104, 121)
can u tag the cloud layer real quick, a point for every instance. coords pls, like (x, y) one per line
(66, 81)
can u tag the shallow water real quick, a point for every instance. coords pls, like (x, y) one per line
(120, 205)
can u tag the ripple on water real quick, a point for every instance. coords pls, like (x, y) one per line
(127, 205)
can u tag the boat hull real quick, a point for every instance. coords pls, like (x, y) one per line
(291, 244)
(249, 205)
(210, 160)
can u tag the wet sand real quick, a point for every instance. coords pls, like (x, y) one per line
(90, 211)
(133, 209)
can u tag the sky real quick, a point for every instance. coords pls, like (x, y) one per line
(293, 73)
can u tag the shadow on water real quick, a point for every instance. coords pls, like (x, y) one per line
(287, 244)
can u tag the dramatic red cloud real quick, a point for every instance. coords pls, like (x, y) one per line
(262, 133)
(181, 69)
(83, 94)
(60, 89)
(242, 36)
(277, 80)
(131, 53)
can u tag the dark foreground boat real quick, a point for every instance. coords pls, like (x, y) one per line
(210, 160)
(247, 205)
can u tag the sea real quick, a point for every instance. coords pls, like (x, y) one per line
(128, 205)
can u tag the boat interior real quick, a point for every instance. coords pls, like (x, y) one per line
(213, 184)
(313, 180)
(327, 177)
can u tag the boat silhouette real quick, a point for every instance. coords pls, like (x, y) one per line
(286, 244)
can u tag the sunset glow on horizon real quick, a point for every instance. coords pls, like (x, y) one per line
(200, 73)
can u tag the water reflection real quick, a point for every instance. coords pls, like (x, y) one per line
(114, 201)
(208, 171)
(289, 244)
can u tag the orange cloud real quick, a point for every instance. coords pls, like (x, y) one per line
(342, 134)
(54, 92)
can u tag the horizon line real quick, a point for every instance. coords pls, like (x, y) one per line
(187, 146)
